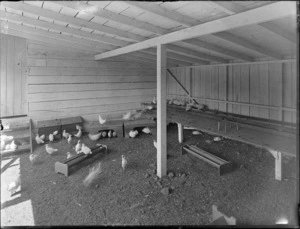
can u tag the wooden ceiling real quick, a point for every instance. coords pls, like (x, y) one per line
(99, 27)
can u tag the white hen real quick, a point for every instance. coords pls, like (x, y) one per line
(51, 137)
(146, 130)
(34, 158)
(65, 134)
(13, 145)
(78, 146)
(124, 163)
(69, 155)
(155, 143)
(50, 150)
(38, 139)
(69, 139)
(127, 115)
(86, 150)
(93, 174)
(79, 133)
(55, 132)
(101, 120)
(132, 133)
(94, 137)
(14, 185)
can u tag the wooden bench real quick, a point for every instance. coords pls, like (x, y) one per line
(222, 165)
(64, 167)
(131, 124)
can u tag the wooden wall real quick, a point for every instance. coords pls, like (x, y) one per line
(62, 83)
(13, 76)
(264, 90)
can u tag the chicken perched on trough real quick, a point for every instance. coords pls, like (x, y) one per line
(86, 150)
(93, 175)
(69, 155)
(50, 150)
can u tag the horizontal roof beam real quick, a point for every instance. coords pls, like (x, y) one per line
(254, 16)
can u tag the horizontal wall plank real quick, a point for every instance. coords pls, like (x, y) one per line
(61, 54)
(55, 71)
(87, 94)
(53, 105)
(89, 87)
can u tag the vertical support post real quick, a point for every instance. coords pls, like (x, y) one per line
(180, 132)
(278, 166)
(226, 91)
(161, 111)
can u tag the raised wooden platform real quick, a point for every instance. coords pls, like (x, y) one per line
(273, 141)
(116, 125)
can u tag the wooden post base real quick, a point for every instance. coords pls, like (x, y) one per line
(278, 164)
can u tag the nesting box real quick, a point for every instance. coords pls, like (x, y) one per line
(140, 123)
(48, 127)
(69, 124)
(116, 125)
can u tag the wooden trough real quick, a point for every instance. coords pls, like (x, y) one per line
(64, 167)
(222, 165)
(131, 124)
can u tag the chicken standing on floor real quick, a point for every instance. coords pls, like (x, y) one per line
(55, 132)
(65, 134)
(94, 137)
(101, 120)
(124, 163)
(13, 186)
(93, 174)
(42, 137)
(50, 150)
(133, 133)
(69, 155)
(79, 133)
(155, 143)
(146, 130)
(34, 158)
(78, 147)
(51, 137)
(38, 139)
(69, 139)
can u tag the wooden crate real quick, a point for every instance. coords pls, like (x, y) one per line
(69, 124)
(131, 124)
(116, 125)
(48, 127)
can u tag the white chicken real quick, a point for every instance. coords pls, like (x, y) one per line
(50, 150)
(78, 127)
(127, 115)
(69, 139)
(79, 133)
(133, 133)
(109, 134)
(114, 134)
(13, 145)
(69, 155)
(137, 115)
(154, 100)
(146, 130)
(188, 107)
(86, 150)
(150, 107)
(38, 139)
(93, 174)
(94, 137)
(55, 132)
(51, 137)
(155, 143)
(124, 163)
(103, 134)
(65, 134)
(34, 158)
(101, 120)
(14, 185)
(78, 146)
(42, 137)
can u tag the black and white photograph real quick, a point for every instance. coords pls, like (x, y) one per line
(149, 113)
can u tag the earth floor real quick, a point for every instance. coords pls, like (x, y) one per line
(250, 192)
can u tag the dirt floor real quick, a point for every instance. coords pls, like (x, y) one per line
(250, 193)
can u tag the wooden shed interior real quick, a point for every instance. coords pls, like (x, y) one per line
(63, 59)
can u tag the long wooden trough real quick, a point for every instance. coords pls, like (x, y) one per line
(222, 165)
(64, 167)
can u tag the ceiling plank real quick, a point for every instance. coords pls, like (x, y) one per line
(205, 45)
(246, 44)
(158, 10)
(231, 8)
(71, 20)
(115, 17)
(254, 16)
(47, 25)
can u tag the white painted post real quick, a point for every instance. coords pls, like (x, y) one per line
(161, 111)
(180, 132)
(278, 166)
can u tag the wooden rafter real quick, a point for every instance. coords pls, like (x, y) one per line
(231, 8)
(71, 20)
(254, 16)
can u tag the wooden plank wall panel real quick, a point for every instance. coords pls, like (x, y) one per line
(244, 89)
(3, 61)
(10, 76)
(66, 83)
(222, 88)
(249, 87)
(275, 86)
